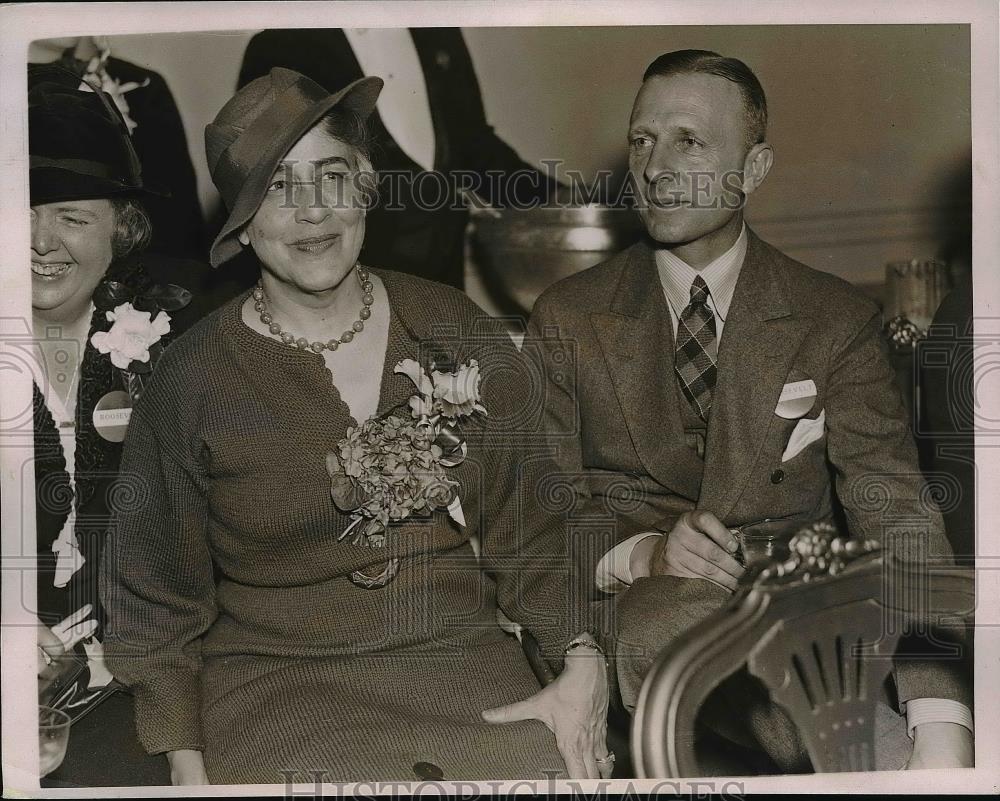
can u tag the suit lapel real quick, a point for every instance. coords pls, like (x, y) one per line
(636, 338)
(759, 343)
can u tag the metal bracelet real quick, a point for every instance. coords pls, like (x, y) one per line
(579, 643)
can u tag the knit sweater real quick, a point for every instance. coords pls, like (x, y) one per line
(231, 612)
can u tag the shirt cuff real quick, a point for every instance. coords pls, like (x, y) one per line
(936, 710)
(613, 573)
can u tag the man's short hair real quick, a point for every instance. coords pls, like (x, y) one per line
(681, 62)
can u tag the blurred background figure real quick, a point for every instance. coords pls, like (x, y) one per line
(430, 117)
(149, 110)
(948, 384)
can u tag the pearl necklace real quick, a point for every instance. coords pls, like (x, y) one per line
(318, 347)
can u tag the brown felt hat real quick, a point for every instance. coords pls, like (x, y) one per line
(252, 133)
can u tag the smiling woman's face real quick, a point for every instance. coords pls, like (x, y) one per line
(70, 252)
(309, 229)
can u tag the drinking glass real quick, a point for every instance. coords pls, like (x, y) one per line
(53, 737)
(764, 540)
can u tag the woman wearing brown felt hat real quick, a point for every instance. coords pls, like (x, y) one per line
(338, 503)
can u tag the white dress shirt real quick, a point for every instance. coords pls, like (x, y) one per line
(613, 573)
(69, 558)
(403, 106)
(720, 275)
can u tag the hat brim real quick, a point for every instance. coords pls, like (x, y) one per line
(360, 97)
(53, 185)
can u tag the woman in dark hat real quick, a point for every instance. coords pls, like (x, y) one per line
(100, 321)
(157, 131)
(275, 629)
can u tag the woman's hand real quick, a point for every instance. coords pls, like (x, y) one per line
(50, 648)
(575, 708)
(55, 642)
(187, 766)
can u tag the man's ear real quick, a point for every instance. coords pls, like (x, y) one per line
(756, 166)
(243, 237)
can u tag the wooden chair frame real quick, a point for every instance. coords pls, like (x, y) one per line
(822, 645)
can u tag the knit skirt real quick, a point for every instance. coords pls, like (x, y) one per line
(404, 705)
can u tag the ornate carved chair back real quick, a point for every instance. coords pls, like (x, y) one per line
(824, 658)
(820, 634)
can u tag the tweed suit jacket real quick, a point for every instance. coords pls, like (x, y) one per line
(616, 415)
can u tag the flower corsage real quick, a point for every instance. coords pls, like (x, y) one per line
(394, 467)
(140, 321)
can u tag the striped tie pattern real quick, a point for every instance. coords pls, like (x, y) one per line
(697, 350)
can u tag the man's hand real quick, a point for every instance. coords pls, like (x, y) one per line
(698, 546)
(187, 767)
(941, 745)
(575, 708)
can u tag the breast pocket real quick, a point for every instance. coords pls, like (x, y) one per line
(806, 433)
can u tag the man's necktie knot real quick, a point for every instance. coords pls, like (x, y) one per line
(699, 291)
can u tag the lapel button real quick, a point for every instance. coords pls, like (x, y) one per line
(777, 476)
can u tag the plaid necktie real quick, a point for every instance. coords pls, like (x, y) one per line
(697, 350)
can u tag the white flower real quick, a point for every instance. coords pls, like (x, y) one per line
(97, 71)
(457, 393)
(416, 374)
(421, 406)
(131, 335)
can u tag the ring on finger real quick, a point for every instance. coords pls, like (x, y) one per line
(608, 760)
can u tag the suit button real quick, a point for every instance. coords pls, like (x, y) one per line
(442, 59)
(777, 476)
(428, 772)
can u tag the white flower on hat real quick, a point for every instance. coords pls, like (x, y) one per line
(131, 335)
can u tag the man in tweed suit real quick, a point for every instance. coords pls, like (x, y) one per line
(718, 383)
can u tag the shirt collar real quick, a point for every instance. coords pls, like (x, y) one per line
(677, 275)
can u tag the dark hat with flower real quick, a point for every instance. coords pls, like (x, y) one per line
(78, 143)
(256, 128)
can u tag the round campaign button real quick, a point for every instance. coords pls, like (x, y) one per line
(111, 415)
(797, 398)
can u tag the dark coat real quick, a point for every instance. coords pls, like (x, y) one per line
(946, 360)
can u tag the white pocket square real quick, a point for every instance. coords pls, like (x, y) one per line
(804, 434)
